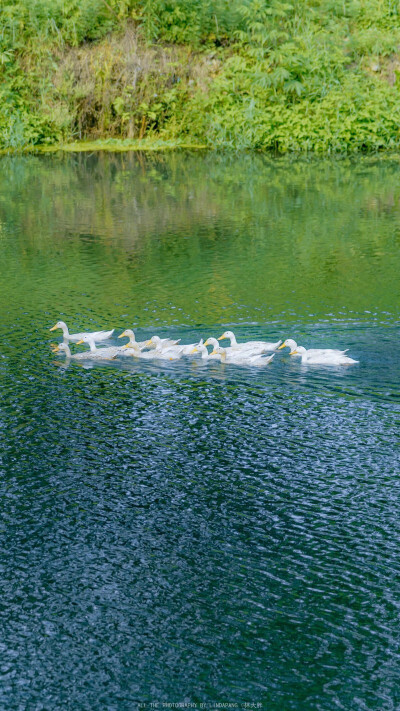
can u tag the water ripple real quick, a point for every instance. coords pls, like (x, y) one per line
(182, 531)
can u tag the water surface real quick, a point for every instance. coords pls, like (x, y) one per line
(182, 532)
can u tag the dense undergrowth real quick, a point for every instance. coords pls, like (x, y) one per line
(317, 75)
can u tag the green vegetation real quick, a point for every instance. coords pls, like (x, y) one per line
(305, 75)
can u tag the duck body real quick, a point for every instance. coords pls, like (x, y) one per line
(256, 346)
(127, 351)
(75, 337)
(64, 348)
(172, 347)
(242, 358)
(159, 354)
(259, 359)
(103, 353)
(154, 354)
(327, 357)
(158, 343)
(228, 350)
(167, 354)
(312, 352)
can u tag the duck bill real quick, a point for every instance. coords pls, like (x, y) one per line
(282, 346)
(221, 338)
(122, 335)
(54, 328)
(79, 342)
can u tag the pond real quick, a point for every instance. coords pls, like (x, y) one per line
(186, 532)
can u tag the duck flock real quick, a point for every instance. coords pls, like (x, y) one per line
(253, 353)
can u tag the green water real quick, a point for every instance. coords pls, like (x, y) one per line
(190, 532)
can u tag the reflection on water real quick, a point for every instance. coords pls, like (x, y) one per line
(185, 531)
(182, 239)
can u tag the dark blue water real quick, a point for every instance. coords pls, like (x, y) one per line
(188, 533)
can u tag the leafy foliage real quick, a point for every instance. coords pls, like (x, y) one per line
(190, 21)
(303, 75)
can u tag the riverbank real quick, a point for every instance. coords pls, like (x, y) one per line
(110, 145)
(305, 77)
(156, 145)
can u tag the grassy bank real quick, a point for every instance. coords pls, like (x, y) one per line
(306, 75)
(109, 145)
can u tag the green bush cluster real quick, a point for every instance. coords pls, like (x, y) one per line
(304, 75)
(195, 22)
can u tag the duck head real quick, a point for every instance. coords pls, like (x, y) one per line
(289, 343)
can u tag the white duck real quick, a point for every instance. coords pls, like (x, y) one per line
(75, 337)
(259, 346)
(294, 349)
(154, 354)
(214, 343)
(64, 348)
(171, 346)
(105, 353)
(323, 358)
(129, 347)
(242, 358)
(205, 355)
(83, 355)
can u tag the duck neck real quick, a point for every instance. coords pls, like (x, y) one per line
(65, 331)
(233, 340)
(92, 345)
